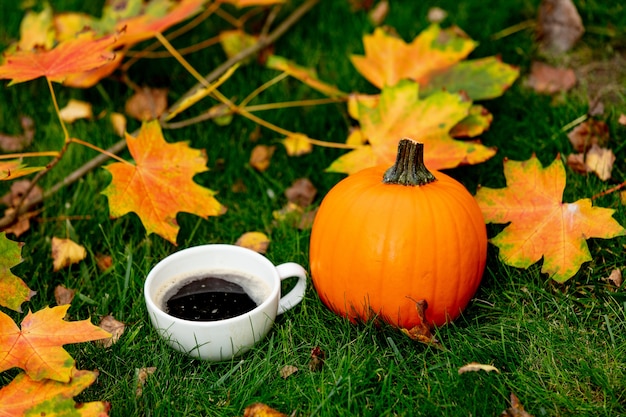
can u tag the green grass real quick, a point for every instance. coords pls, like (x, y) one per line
(560, 348)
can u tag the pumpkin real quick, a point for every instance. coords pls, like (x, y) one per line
(384, 239)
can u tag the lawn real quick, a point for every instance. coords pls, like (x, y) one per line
(560, 348)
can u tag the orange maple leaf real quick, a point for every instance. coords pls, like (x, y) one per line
(541, 224)
(25, 396)
(75, 55)
(398, 112)
(13, 291)
(37, 347)
(160, 184)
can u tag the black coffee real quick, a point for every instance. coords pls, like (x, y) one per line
(209, 298)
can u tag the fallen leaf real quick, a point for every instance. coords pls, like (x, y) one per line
(588, 133)
(147, 103)
(547, 79)
(160, 183)
(104, 262)
(297, 144)
(288, 370)
(255, 241)
(516, 409)
(63, 295)
(622, 119)
(301, 192)
(75, 55)
(115, 327)
(261, 156)
(436, 15)
(423, 332)
(378, 13)
(38, 347)
(118, 121)
(16, 143)
(65, 252)
(615, 277)
(14, 197)
(576, 161)
(36, 29)
(318, 356)
(76, 109)
(13, 291)
(389, 59)
(475, 123)
(261, 410)
(541, 225)
(475, 367)
(141, 375)
(398, 112)
(600, 160)
(559, 25)
(27, 397)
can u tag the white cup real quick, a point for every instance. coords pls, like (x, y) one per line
(220, 339)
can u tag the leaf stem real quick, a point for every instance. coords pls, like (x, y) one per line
(57, 110)
(102, 151)
(29, 154)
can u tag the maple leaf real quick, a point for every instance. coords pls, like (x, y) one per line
(12, 169)
(398, 112)
(78, 54)
(37, 347)
(389, 59)
(13, 291)
(433, 59)
(26, 397)
(541, 225)
(160, 183)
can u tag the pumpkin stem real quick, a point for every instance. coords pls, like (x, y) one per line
(409, 168)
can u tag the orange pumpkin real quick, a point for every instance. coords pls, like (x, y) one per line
(384, 239)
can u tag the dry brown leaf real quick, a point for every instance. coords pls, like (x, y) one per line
(66, 252)
(147, 103)
(318, 356)
(622, 119)
(63, 295)
(13, 198)
(576, 161)
(378, 13)
(104, 262)
(261, 156)
(559, 25)
(422, 332)
(615, 277)
(76, 109)
(116, 328)
(16, 143)
(261, 410)
(516, 409)
(288, 370)
(256, 241)
(141, 374)
(600, 160)
(475, 367)
(302, 192)
(590, 132)
(547, 79)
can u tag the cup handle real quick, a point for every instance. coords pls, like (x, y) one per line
(293, 297)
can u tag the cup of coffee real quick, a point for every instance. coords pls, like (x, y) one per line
(216, 301)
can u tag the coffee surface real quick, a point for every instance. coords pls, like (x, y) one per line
(209, 298)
